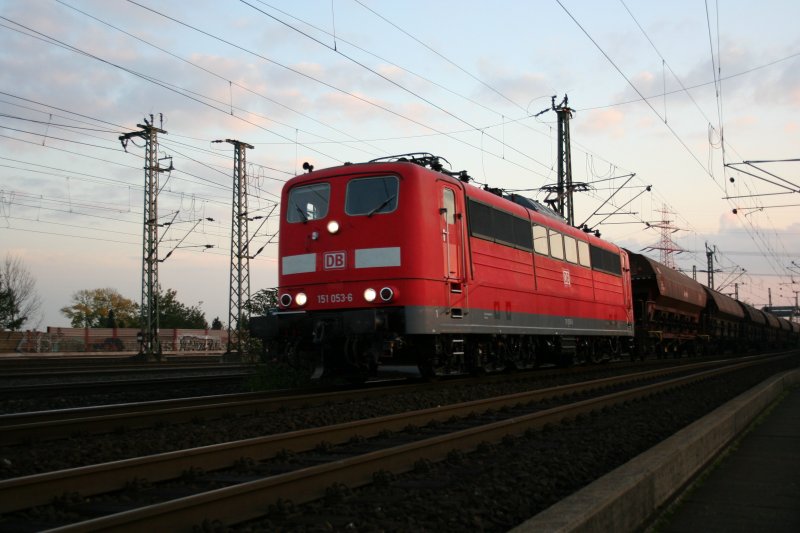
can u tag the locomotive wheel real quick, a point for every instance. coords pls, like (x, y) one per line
(583, 352)
(357, 361)
(489, 361)
(595, 355)
(444, 361)
(522, 357)
(432, 368)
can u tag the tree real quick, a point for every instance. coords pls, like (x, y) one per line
(101, 308)
(19, 301)
(9, 310)
(262, 301)
(174, 314)
(216, 323)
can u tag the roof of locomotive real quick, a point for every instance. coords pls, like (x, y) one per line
(513, 203)
(350, 169)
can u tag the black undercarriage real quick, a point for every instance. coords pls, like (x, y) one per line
(354, 343)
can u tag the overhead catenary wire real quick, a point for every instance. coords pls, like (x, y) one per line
(324, 83)
(231, 83)
(777, 267)
(197, 154)
(428, 101)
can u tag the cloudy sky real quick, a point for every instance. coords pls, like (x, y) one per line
(670, 91)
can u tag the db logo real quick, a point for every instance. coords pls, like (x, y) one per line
(333, 260)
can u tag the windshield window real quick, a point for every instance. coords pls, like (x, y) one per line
(308, 202)
(368, 196)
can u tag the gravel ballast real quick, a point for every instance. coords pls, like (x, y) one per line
(492, 489)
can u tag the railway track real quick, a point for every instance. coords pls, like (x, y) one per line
(349, 454)
(54, 424)
(43, 390)
(56, 368)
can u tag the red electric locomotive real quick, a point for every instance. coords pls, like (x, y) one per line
(399, 260)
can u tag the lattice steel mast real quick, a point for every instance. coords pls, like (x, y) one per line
(666, 245)
(240, 255)
(149, 344)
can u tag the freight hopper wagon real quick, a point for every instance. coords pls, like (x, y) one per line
(667, 306)
(754, 328)
(398, 261)
(723, 320)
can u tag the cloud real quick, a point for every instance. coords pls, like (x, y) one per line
(517, 85)
(606, 122)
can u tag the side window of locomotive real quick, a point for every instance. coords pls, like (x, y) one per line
(498, 226)
(571, 249)
(308, 202)
(583, 254)
(540, 240)
(556, 245)
(449, 203)
(370, 196)
(605, 261)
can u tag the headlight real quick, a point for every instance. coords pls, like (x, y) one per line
(333, 227)
(370, 294)
(286, 300)
(387, 294)
(301, 299)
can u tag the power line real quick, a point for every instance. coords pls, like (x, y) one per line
(645, 100)
(658, 52)
(381, 58)
(15, 117)
(504, 97)
(57, 138)
(186, 93)
(324, 83)
(630, 83)
(393, 82)
(58, 108)
(204, 69)
(696, 86)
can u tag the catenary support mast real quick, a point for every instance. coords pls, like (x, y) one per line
(565, 208)
(149, 344)
(564, 187)
(240, 255)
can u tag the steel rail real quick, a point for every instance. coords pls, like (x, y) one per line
(46, 425)
(94, 387)
(61, 370)
(29, 491)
